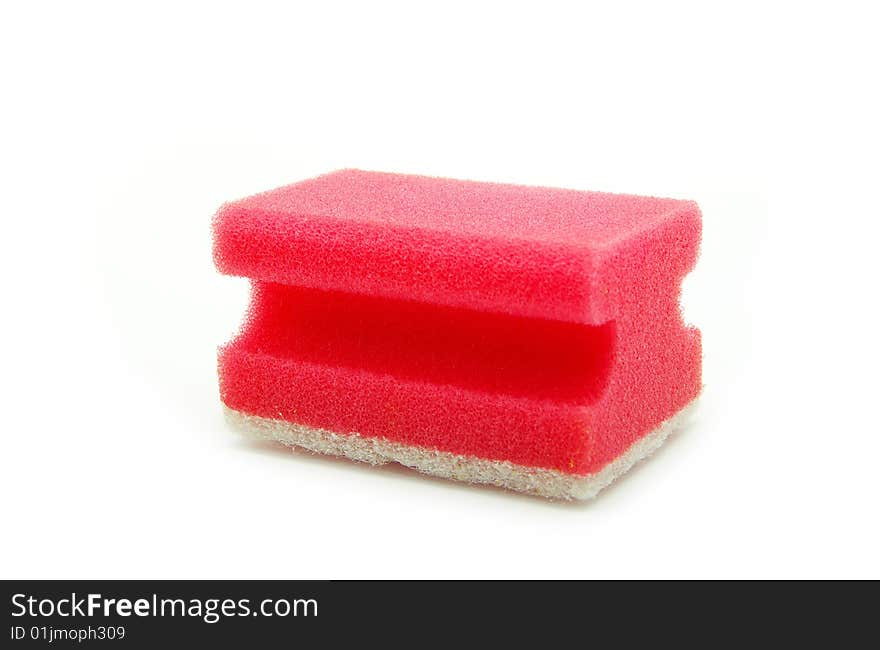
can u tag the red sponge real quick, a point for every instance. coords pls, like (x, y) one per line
(520, 336)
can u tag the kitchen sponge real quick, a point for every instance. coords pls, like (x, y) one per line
(519, 336)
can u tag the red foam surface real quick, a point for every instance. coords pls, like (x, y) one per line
(533, 325)
(528, 251)
(483, 351)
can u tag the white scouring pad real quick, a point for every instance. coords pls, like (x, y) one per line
(530, 480)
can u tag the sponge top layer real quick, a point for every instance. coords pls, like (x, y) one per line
(470, 208)
(527, 251)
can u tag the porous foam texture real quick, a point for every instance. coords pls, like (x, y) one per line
(520, 478)
(524, 325)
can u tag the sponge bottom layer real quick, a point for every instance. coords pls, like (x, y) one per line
(531, 480)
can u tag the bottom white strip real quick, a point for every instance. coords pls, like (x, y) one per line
(532, 480)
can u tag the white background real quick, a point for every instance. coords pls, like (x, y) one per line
(123, 129)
